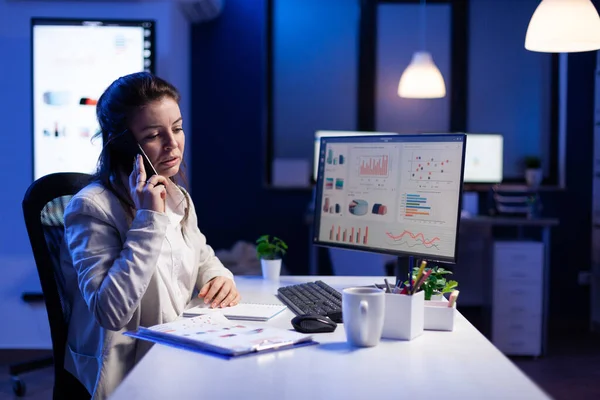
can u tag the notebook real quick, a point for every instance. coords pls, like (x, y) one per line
(242, 311)
(216, 334)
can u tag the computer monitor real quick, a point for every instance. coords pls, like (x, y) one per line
(73, 62)
(398, 194)
(483, 158)
(321, 133)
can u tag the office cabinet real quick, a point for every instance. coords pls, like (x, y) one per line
(518, 293)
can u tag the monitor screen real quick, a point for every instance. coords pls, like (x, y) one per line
(73, 62)
(320, 134)
(483, 158)
(397, 194)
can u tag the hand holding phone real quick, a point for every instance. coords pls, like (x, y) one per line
(147, 193)
(148, 189)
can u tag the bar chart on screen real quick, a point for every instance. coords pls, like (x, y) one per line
(426, 208)
(415, 205)
(373, 167)
(349, 234)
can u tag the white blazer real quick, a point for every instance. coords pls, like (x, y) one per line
(109, 263)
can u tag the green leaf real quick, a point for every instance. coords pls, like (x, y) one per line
(270, 247)
(442, 271)
(263, 238)
(450, 286)
(263, 247)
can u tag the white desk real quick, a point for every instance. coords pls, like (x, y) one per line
(452, 365)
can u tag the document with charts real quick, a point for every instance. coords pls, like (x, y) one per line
(215, 333)
(242, 311)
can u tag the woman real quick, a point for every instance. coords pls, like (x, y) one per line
(133, 253)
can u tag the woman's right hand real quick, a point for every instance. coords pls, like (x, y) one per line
(150, 194)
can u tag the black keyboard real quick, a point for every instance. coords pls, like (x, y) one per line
(313, 298)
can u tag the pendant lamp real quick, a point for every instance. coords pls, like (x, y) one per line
(564, 26)
(422, 79)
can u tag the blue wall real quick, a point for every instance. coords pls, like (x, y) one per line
(509, 87)
(228, 87)
(315, 74)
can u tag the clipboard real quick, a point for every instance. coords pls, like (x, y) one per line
(215, 334)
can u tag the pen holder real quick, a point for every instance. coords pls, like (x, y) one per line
(404, 316)
(438, 316)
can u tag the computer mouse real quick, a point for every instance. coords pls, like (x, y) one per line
(312, 323)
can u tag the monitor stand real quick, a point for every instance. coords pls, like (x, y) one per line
(404, 268)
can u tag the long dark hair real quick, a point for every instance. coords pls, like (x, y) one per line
(114, 112)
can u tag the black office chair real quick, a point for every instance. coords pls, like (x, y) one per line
(43, 209)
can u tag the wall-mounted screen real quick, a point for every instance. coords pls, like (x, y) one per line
(73, 62)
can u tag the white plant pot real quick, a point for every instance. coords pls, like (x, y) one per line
(271, 269)
(533, 177)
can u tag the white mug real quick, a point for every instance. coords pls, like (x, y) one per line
(363, 311)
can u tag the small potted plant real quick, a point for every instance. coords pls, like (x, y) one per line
(436, 285)
(270, 251)
(533, 171)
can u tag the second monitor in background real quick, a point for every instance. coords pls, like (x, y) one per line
(484, 158)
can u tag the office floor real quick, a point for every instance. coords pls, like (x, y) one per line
(38, 383)
(570, 370)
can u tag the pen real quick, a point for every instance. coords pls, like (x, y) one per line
(423, 279)
(387, 285)
(421, 269)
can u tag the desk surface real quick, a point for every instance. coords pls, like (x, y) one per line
(458, 364)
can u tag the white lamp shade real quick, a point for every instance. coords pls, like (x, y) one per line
(422, 79)
(563, 26)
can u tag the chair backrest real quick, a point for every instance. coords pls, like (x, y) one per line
(43, 209)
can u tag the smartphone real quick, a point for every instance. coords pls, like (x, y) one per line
(150, 170)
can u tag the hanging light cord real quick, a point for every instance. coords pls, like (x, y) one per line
(423, 25)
